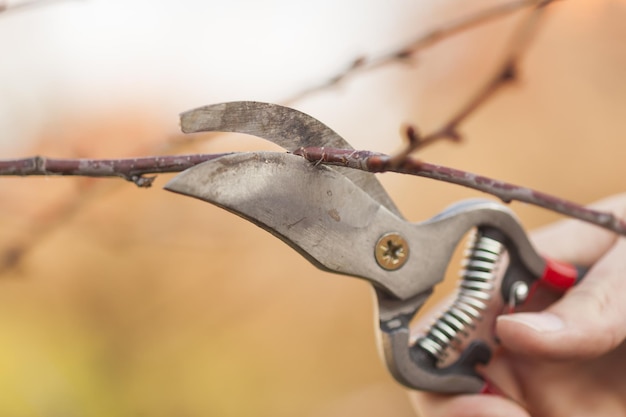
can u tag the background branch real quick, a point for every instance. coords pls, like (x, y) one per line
(505, 74)
(410, 51)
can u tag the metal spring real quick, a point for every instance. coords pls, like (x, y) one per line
(476, 285)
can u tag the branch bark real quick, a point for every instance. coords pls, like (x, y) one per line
(137, 169)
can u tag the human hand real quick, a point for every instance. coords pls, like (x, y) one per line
(569, 357)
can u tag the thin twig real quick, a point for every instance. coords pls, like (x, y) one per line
(504, 75)
(378, 162)
(410, 51)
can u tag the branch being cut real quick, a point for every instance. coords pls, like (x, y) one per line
(378, 162)
(136, 169)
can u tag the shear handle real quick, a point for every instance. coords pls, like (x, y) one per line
(418, 366)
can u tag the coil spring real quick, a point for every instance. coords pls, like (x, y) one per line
(476, 285)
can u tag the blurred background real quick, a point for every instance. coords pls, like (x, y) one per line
(116, 300)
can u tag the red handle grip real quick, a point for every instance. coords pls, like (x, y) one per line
(560, 276)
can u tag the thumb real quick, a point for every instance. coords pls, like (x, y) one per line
(588, 321)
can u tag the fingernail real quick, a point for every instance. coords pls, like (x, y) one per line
(539, 322)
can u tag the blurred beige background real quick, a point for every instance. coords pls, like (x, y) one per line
(123, 301)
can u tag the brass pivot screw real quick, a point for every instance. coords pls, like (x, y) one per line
(392, 251)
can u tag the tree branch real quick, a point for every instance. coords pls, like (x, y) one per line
(410, 51)
(136, 169)
(504, 75)
(131, 169)
(378, 162)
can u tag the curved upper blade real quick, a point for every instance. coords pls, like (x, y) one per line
(316, 210)
(284, 126)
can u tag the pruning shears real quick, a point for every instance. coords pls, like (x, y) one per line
(343, 221)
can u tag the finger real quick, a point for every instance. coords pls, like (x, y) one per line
(431, 405)
(588, 321)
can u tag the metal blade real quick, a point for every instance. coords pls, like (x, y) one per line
(314, 209)
(283, 126)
